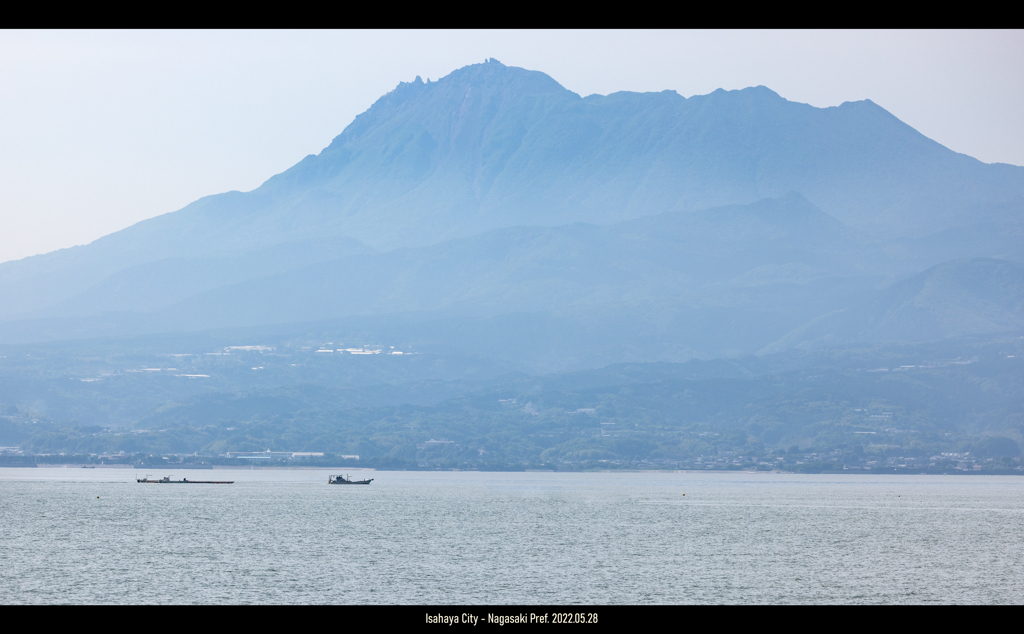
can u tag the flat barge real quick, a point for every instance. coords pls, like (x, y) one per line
(167, 480)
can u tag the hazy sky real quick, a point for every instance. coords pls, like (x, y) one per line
(99, 130)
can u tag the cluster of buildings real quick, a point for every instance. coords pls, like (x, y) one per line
(363, 350)
(257, 456)
(436, 443)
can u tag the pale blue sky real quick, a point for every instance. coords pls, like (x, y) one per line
(103, 129)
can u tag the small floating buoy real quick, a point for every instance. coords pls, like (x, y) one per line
(684, 495)
(97, 497)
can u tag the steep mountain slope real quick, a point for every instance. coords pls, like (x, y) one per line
(731, 280)
(719, 258)
(962, 297)
(491, 146)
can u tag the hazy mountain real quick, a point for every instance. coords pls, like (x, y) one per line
(491, 147)
(720, 282)
(541, 268)
(851, 286)
(739, 257)
(956, 298)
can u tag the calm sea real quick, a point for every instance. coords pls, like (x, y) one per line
(95, 536)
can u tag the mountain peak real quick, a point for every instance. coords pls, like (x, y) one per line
(492, 72)
(764, 92)
(497, 142)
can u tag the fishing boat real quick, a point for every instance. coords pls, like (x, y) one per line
(337, 479)
(167, 480)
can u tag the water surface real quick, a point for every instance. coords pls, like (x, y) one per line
(281, 536)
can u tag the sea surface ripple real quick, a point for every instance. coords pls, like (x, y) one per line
(275, 536)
